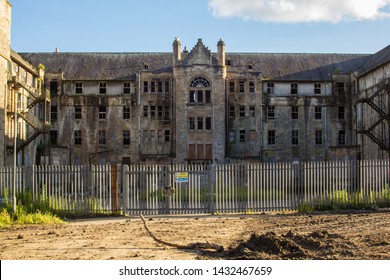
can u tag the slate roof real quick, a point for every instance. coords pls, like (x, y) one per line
(376, 60)
(124, 66)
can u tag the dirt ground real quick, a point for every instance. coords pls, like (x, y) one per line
(347, 235)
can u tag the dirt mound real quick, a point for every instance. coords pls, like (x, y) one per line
(315, 245)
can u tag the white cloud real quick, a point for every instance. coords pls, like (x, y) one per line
(295, 11)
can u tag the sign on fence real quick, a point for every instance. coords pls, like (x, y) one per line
(181, 177)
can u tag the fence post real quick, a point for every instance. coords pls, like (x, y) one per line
(114, 189)
(125, 186)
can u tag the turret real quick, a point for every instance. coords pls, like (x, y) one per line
(176, 50)
(221, 52)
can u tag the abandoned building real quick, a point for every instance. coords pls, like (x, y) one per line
(194, 105)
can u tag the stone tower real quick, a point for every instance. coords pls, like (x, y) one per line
(5, 65)
(199, 103)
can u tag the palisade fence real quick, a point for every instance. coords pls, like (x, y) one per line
(193, 189)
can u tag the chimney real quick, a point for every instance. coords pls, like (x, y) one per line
(221, 52)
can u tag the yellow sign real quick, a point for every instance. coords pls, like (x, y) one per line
(181, 177)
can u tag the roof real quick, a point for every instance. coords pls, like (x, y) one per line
(376, 60)
(124, 66)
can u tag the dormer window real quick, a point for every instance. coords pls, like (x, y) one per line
(79, 88)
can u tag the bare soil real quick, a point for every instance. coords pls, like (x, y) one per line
(347, 235)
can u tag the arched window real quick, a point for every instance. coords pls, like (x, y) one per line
(199, 82)
(200, 92)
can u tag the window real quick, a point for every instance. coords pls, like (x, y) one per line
(167, 87)
(146, 111)
(318, 137)
(53, 113)
(167, 136)
(208, 123)
(53, 137)
(126, 137)
(53, 88)
(232, 136)
(208, 96)
(241, 85)
(79, 88)
(200, 96)
(126, 88)
(146, 88)
(77, 137)
(294, 137)
(231, 87)
(270, 88)
(294, 112)
(126, 112)
(317, 88)
(102, 112)
(192, 123)
(152, 112)
(341, 113)
(342, 137)
(251, 87)
(294, 88)
(200, 123)
(159, 87)
(159, 112)
(78, 112)
(103, 88)
(271, 112)
(271, 137)
(102, 137)
(199, 82)
(152, 87)
(242, 111)
(252, 111)
(232, 112)
(317, 112)
(167, 115)
(152, 136)
(242, 135)
(340, 88)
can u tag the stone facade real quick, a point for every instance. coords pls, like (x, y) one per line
(196, 106)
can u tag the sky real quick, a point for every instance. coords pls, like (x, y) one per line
(261, 26)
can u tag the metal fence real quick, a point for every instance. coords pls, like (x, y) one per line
(186, 189)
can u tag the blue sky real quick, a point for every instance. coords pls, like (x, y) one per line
(280, 26)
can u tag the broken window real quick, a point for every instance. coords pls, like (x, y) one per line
(294, 112)
(231, 87)
(317, 112)
(342, 137)
(317, 88)
(271, 137)
(102, 112)
(77, 137)
(251, 87)
(241, 86)
(102, 137)
(79, 88)
(53, 137)
(242, 135)
(146, 111)
(208, 123)
(126, 88)
(341, 113)
(270, 88)
(318, 137)
(146, 88)
(54, 88)
(103, 88)
(78, 112)
(271, 112)
(294, 88)
(232, 112)
(126, 112)
(294, 137)
(200, 123)
(242, 111)
(53, 113)
(126, 137)
(252, 111)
